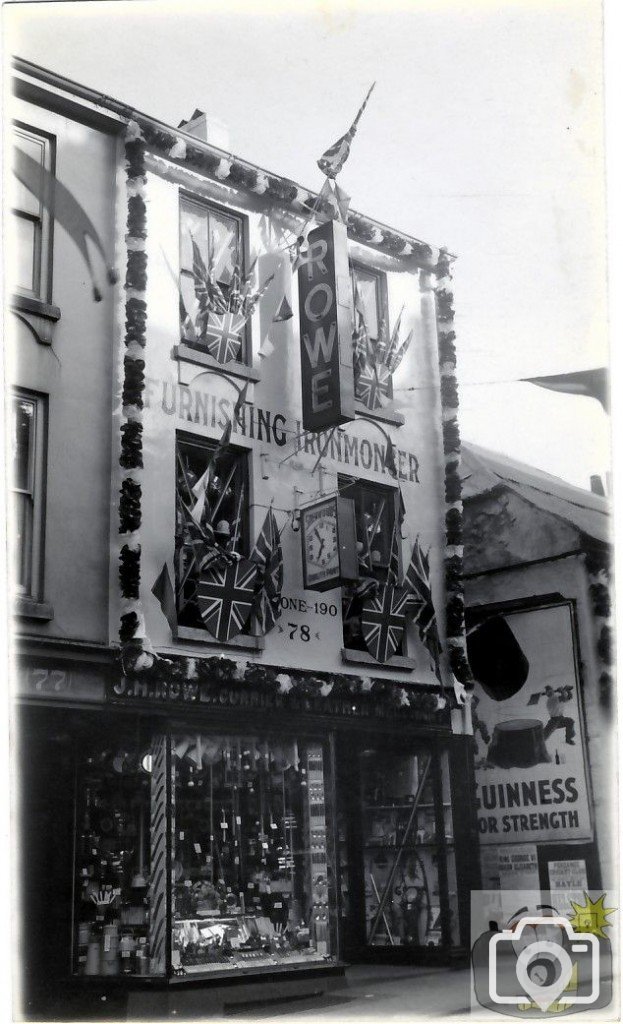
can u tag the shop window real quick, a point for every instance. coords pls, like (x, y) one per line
(121, 856)
(242, 822)
(250, 862)
(222, 507)
(221, 240)
(406, 839)
(375, 520)
(31, 221)
(28, 441)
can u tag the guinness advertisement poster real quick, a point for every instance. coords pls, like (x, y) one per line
(529, 756)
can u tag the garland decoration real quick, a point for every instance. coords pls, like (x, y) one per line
(453, 559)
(219, 680)
(597, 562)
(131, 449)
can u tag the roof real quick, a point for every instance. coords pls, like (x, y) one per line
(483, 471)
(408, 249)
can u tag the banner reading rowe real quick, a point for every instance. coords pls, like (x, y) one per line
(326, 329)
(530, 767)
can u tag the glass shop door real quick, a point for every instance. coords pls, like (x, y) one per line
(396, 854)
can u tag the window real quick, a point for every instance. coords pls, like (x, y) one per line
(31, 220)
(371, 287)
(224, 504)
(373, 382)
(220, 238)
(375, 521)
(28, 415)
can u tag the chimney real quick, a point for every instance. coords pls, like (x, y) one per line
(208, 129)
(597, 486)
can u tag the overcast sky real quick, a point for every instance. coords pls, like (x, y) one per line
(484, 134)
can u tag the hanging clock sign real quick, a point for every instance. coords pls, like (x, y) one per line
(329, 543)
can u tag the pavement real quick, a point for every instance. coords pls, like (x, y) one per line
(378, 993)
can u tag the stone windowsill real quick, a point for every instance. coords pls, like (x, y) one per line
(200, 358)
(39, 315)
(249, 643)
(29, 608)
(399, 661)
(384, 415)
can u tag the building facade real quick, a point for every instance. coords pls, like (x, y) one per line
(537, 565)
(234, 795)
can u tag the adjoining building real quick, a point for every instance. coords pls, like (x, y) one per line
(209, 795)
(537, 587)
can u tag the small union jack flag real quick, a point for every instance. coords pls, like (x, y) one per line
(268, 556)
(421, 608)
(373, 386)
(225, 597)
(224, 336)
(383, 621)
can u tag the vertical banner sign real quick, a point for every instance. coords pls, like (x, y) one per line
(326, 329)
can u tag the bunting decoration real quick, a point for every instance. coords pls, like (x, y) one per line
(131, 429)
(165, 595)
(268, 556)
(453, 561)
(284, 312)
(332, 161)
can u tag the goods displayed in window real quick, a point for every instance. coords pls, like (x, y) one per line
(402, 848)
(113, 924)
(251, 864)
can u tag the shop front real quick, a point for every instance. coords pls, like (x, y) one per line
(216, 835)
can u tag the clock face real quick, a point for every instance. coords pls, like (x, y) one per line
(321, 543)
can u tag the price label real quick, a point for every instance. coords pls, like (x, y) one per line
(278, 905)
(238, 820)
(182, 835)
(197, 847)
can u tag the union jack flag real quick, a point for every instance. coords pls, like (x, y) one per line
(223, 336)
(421, 608)
(383, 621)
(334, 158)
(225, 597)
(268, 557)
(373, 385)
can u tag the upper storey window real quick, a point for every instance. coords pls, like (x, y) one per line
(31, 221)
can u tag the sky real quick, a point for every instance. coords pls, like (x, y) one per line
(484, 134)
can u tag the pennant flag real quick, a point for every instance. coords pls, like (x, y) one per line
(225, 597)
(394, 559)
(267, 348)
(268, 556)
(165, 595)
(65, 210)
(200, 279)
(334, 158)
(251, 301)
(235, 297)
(224, 336)
(343, 202)
(284, 312)
(393, 341)
(590, 383)
(417, 584)
(383, 621)
(373, 386)
(396, 359)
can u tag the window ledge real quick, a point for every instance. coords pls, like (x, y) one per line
(396, 418)
(363, 658)
(249, 643)
(38, 315)
(199, 358)
(29, 608)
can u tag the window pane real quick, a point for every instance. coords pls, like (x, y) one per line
(118, 916)
(26, 266)
(193, 224)
(400, 851)
(23, 443)
(374, 511)
(224, 245)
(23, 198)
(250, 854)
(22, 540)
(367, 284)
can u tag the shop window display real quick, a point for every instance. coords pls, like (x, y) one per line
(402, 850)
(113, 888)
(250, 862)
